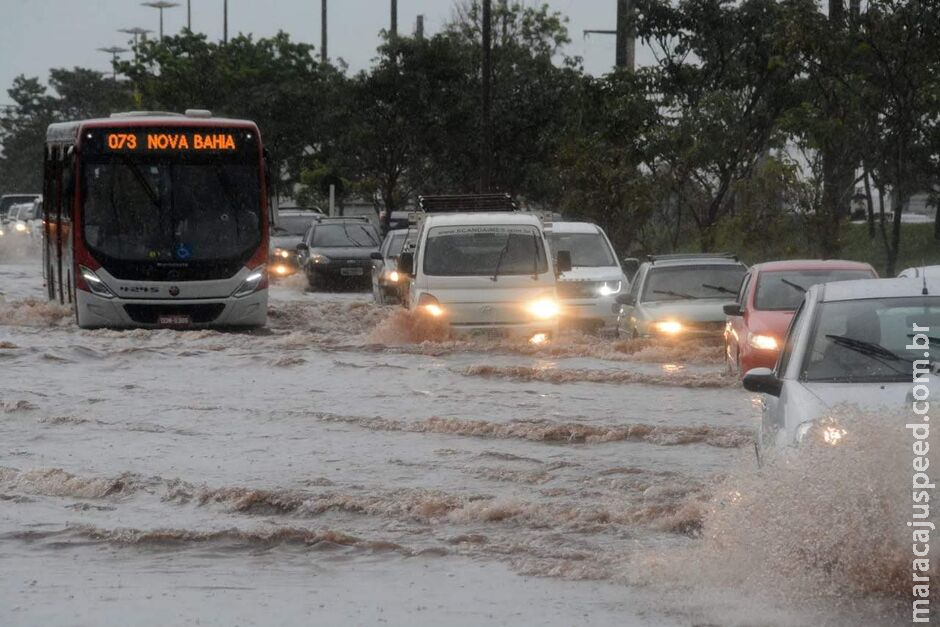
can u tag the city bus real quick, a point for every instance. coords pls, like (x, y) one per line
(157, 220)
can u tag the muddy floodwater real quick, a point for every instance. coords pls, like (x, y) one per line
(339, 468)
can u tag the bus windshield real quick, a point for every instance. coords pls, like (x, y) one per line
(171, 210)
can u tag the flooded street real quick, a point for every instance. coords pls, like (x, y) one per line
(331, 470)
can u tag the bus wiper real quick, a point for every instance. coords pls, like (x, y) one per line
(676, 294)
(499, 260)
(139, 176)
(793, 285)
(718, 288)
(869, 349)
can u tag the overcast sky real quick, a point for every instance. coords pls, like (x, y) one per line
(36, 35)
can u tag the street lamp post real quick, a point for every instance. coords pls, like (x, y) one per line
(160, 5)
(114, 51)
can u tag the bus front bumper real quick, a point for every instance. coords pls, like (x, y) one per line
(95, 311)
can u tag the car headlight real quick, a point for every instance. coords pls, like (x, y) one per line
(280, 252)
(252, 283)
(2, 233)
(393, 276)
(668, 327)
(762, 342)
(824, 432)
(95, 284)
(429, 305)
(609, 288)
(20, 226)
(319, 259)
(544, 308)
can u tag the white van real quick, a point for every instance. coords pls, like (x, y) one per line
(589, 290)
(489, 273)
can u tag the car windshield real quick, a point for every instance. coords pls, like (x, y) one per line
(344, 235)
(485, 250)
(783, 290)
(693, 282)
(868, 340)
(292, 225)
(588, 250)
(168, 211)
(8, 204)
(396, 244)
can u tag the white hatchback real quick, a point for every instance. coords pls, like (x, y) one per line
(850, 343)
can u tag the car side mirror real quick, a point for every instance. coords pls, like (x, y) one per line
(762, 380)
(302, 247)
(376, 256)
(626, 299)
(733, 309)
(563, 261)
(406, 263)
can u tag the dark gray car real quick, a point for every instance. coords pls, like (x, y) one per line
(338, 252)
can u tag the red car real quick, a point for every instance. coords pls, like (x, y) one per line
(769, 295)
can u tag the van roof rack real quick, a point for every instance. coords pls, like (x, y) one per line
(678, 256)
(460, 203)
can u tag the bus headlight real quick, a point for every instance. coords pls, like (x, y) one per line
(544, 308)
(668, 327)
(762, 342)
(608, 288)
(95, 284)
(251, 283)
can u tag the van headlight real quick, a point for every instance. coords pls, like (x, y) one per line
(429, 305)
(609, 288)
(95, 284)
(668, 327)
(544, 308)
(252, 283)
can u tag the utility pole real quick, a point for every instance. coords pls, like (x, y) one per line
(114, 51)
(486, 158)
(323, 53)
(419, 28)
(393, 30)
(625, 56)
(189, 15)
(160, 5)
(224, 21)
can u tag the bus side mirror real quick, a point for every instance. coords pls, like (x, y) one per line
(733, 309)
(406, 264)
(563, 261)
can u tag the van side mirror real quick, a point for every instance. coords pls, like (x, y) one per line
(762, 380)
(630, 265)
(377, 256)
(406, 263)
(733, 309)
(626, 298)
(563, 261)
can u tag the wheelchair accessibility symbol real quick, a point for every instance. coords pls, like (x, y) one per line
(183, 252)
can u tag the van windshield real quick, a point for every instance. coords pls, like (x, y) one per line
(485, 250)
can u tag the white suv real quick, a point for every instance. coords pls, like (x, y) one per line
(589, 290)
(488, 273)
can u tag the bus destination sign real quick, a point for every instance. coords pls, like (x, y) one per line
(170, 141)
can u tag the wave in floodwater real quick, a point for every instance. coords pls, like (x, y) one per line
(58, 482)
(31, 312)
(555, 375)
(825, 523)
(557, 432)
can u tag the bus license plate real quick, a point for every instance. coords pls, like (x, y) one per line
(350, 271)
(174, 321)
